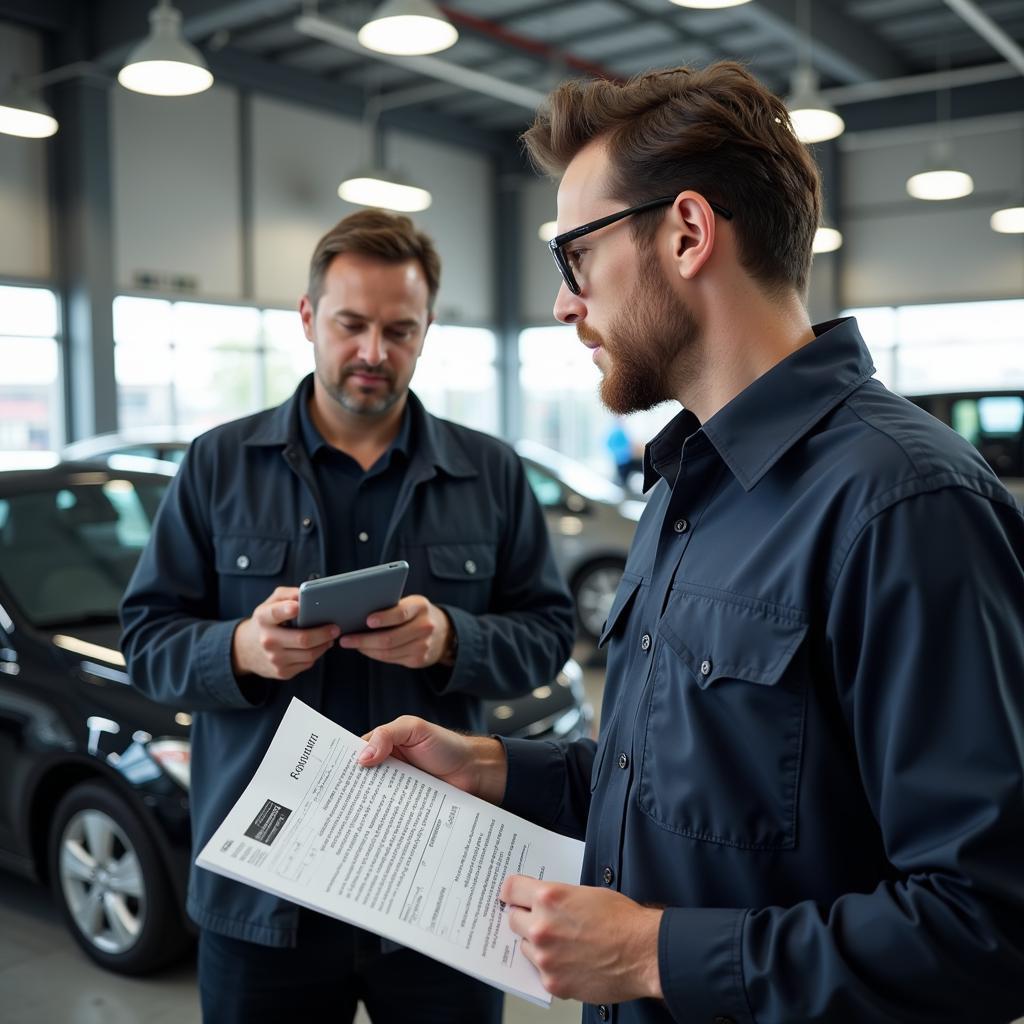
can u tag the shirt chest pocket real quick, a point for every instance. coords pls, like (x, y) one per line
(249, 568)
(457, 574)
(724, 728)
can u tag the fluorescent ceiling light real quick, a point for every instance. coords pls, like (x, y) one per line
(408, 28)
(547, 230)
(385, 191)
(165, 64)
(827, 239)
(26, 115)
(1009, 221)
(814, 118)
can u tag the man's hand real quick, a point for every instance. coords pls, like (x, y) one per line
(475, 764)
(594, 945)
(413, 633)
(262, 646)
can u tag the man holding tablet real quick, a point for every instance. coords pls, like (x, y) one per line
(349, 473)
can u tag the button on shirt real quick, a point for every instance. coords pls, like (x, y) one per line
(815, 696)
(357, 506)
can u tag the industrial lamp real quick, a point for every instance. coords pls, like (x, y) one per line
(408, 28)
(164, 63)
(26, 114)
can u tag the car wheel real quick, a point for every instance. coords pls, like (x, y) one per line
(593, 590)
(110, 884)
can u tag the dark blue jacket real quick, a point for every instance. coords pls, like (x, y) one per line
(812, 737)
(242, 517)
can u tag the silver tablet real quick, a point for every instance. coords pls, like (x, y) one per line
(349, 597)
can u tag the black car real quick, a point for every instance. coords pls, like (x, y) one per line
(94, 798)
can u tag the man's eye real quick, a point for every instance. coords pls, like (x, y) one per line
(575, 257)
(352, 328)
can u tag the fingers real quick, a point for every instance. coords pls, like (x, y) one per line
(520, 891)
(405, 611)
(402, 732)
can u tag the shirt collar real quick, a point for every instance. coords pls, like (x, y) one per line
(753, 431)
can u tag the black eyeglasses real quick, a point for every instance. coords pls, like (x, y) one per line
(556, 243)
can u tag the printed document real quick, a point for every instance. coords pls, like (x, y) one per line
(390, 849)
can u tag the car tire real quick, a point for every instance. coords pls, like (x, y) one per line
(110, 884)
(593, 590)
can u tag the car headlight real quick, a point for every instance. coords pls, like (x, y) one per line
(175, 757)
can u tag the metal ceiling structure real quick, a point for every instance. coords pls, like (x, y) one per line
(880, 61)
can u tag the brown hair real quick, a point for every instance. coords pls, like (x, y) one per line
(378, 235)
(715, 130)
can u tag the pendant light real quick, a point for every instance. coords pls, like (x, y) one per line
(408, 28)
(26, 114)
(827, 239)
(165, 63)
(378, 186)
(547, 230)
(709, 5)
(1010, 219)
(940, 179)
(814, 119)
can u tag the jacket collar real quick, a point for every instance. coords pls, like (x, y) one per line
(430, 443)
(753, 431)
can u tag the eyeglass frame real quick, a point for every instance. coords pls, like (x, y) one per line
(556, 243)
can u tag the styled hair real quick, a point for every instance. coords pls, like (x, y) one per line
(378, 235)
(715, 130)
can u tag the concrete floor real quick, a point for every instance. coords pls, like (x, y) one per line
(46, 979)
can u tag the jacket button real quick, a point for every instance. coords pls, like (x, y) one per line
(645, 642)
(680, 526)
(470, 566)
(602, 1012)
(623, 760)
(608, 876)
(362, 536)
(242, 561)
(705, 667)
(307, 522)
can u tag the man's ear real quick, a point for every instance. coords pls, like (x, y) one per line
(692, 232)
(307, 314)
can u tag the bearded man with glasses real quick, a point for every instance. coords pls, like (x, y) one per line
(806, 801)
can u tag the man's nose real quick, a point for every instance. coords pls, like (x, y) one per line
(569, 308)
(372, 350)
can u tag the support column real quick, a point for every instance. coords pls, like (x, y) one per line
(508, 294)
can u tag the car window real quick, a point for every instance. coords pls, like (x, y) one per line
(67, 553)
(547, 489)
(994, 424)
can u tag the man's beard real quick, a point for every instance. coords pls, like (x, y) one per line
(646, 343)
(362, 401)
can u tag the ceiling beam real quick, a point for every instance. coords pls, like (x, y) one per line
(841, 46)
(49, 15)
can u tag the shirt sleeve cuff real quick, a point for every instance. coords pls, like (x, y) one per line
(701, 966)
(536, 780)
(463, 674)
(216, 674)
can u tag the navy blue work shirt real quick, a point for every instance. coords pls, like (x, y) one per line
(813, 723)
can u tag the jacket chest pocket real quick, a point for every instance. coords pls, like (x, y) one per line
(249, 568)
(457, 574)
(724, 727)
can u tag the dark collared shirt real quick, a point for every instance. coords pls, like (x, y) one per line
(357, 509)
(813, 723)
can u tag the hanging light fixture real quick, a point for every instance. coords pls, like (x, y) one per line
(1010, 219)
(827, 239)
(26, 114)
(164, 63)
(408, 28)
(814, 119)
(709, 5)
(547, 230)
(380, 188)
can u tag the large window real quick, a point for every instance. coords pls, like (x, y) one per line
(30, 380)
(560, 404)
(189, 365)
(963, 346)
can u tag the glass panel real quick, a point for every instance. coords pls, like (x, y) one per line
(546, 489)
(289, 355)
(1001, 415)
(30, 394)
(67, 554)
(28, 312)
(456, 377)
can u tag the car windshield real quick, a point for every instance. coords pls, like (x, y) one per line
(67, 553)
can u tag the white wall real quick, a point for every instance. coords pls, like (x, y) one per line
(177, 209)
(301, 155)
(24, 203)
(899, 250)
